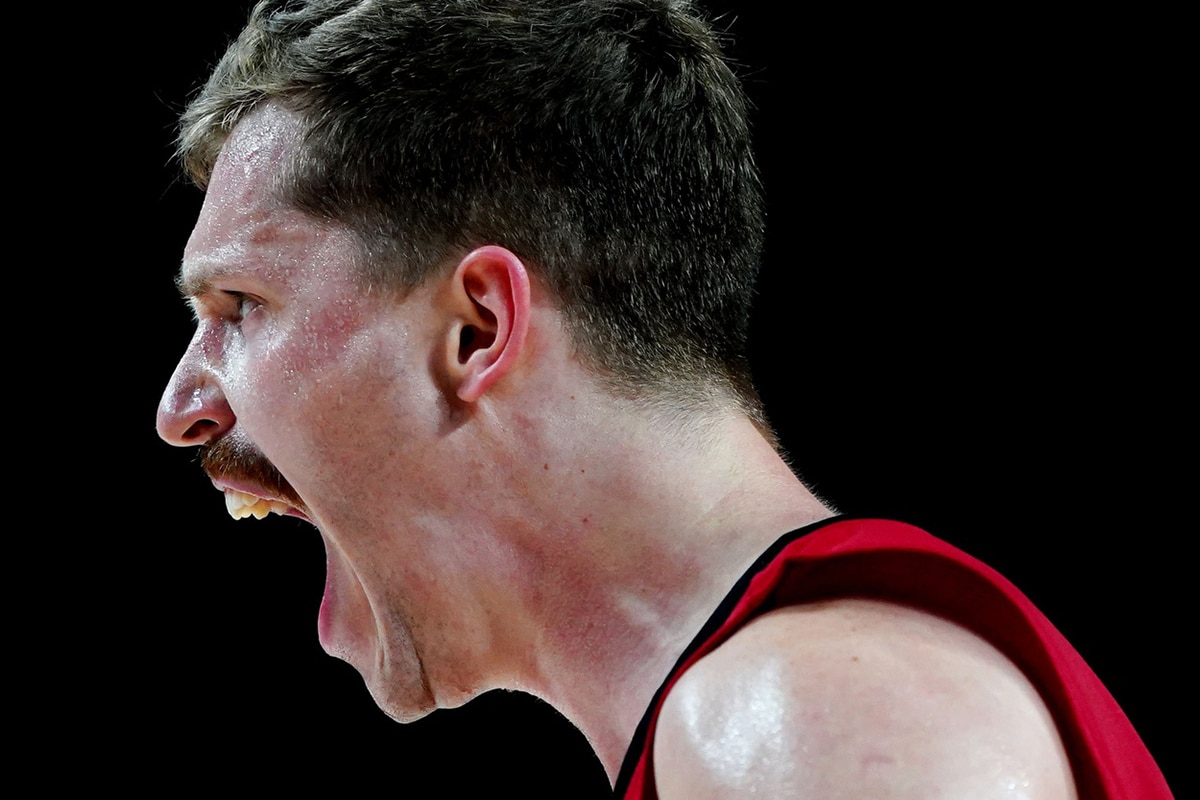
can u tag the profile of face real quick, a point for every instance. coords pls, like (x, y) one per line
(311, 396)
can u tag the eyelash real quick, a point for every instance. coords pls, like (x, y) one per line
(240, 300)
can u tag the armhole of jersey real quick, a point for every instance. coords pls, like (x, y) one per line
(638, 744)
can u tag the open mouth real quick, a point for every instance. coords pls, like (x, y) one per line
(244, 499)
(242, 504)
(253, 487)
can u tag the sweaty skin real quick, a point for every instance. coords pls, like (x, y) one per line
(293, 361)
(495, 516)
(857, 698)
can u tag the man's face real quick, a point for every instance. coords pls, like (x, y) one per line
(309, 396)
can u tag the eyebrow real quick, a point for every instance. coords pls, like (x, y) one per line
(191, 287)
(200, 282)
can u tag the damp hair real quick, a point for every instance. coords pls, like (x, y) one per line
(605, 142)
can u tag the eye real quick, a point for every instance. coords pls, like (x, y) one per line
(243, 304)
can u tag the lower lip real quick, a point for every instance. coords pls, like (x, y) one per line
(325, 615)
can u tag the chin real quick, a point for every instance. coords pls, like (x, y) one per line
(404, 699)
(400, 705)
(404, 716)
(398, 686)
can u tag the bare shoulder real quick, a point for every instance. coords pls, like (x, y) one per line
(856, 698)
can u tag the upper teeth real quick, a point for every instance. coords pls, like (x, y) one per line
(242, 505)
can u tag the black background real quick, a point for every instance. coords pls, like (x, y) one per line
(953, 329)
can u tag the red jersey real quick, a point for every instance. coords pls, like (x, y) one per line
(893, 561)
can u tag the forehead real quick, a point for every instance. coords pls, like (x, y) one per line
(243, 224)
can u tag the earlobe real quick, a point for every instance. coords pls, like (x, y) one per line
(493, 287)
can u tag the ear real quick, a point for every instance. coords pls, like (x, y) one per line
(490, 294)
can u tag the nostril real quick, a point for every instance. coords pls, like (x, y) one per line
(193, 409)
(202, 431)
(191, 419)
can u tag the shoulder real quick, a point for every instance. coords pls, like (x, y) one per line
(857, 698)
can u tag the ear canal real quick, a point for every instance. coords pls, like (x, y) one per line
(471, 339)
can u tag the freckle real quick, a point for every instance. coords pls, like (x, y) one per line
(854, 658)
(582, 471)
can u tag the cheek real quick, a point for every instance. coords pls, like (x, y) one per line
(280, 378)
(338, 389)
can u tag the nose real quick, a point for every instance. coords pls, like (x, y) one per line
(193, 409)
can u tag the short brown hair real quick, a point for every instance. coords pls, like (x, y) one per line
(603, 141)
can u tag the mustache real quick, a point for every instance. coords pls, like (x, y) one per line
(236, 460)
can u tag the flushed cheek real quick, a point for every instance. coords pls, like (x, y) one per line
(318, 406)
(288, 364)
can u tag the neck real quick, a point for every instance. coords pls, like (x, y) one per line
(644, 536)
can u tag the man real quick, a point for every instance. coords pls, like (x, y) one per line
(472, 284)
